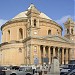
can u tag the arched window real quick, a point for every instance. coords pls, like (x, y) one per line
(71, 31)
(58, 31)
(8, 35)
(67, 31)
(21, 33)
(34, 22)
(49, 32)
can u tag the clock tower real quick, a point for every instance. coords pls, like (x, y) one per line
(70, 29)
(33, 21)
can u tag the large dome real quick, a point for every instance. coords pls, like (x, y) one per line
(23, 14)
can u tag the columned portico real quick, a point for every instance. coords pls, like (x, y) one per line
(63, 54)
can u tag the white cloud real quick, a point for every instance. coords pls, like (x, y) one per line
(2, 21)
(63, 19)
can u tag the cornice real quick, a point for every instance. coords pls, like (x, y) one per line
(26, 39)
(46, 38)
(14, 21)
(11, 42)
(51, 22)
(25, 20)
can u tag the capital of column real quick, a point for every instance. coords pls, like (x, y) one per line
(59, 48)
(44, 46)
(53, 47)
(38, 45)
(63, 48)
(67, 48)
(49, 46)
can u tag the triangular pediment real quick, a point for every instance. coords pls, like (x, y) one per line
(58, 38)
(32, 8)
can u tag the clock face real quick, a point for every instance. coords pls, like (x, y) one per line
(35, 32)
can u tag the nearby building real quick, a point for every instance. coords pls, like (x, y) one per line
(32, 35)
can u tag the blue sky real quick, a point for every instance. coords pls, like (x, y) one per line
(58, 10)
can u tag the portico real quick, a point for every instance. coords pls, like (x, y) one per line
(46, 50)
(50, 51)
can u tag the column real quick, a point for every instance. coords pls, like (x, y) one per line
(31, 55)
(44, 52)
(53, 51)
(32, 22)
(66, 56)
(39, 54)
(25, 55)
(58, 54)
(72, 54)
(62, 55)
(69, 55)
(49, 55)
(38, 23)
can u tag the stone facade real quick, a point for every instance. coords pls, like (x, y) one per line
(30, 35)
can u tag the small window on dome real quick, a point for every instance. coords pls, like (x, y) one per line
(8, 35)
(49, 32)
(57, 29)
(21, 33)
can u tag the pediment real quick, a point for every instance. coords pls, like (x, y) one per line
(58, 38)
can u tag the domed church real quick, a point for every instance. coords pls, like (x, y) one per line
(32, 38)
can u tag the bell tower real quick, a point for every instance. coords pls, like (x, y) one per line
(33, 21)
(70, 29)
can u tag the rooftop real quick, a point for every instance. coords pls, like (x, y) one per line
(23, 14)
